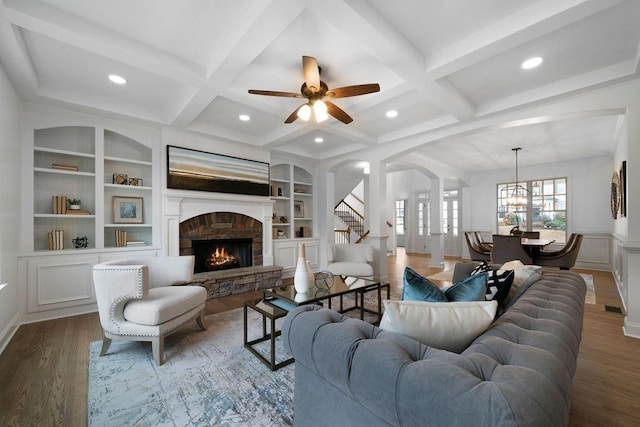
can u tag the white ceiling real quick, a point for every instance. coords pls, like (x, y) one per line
(441, 65)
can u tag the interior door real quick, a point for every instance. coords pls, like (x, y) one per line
(400, 223)
(424, 225)
(451, 223)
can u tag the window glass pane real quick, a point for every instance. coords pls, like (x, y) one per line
(400, 216)
(546, 211)
(421, 219)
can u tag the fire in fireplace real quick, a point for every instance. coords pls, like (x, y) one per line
(222, 254)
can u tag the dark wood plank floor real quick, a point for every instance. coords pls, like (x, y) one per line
(43, 370)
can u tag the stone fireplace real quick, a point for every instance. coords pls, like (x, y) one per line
(192, 215)
(222, 240)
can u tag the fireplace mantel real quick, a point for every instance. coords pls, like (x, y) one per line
(180, 205)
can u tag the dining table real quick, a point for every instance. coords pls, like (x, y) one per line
(534, 246)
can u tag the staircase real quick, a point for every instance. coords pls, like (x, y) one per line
(352, 219)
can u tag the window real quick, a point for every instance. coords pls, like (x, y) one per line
(399, 216)
(545, 211)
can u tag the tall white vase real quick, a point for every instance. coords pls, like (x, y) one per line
(302, 276)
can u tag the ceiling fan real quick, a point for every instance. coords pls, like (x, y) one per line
(316, 91)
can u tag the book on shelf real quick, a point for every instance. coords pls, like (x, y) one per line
(136, 243)
(121, 238)
(56, 239)
(59, 205)
(64, 166)
(78, 212)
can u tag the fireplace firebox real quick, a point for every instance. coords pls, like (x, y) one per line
(222, 254)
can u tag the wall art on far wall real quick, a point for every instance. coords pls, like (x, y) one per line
(189, 169)
(127, 210)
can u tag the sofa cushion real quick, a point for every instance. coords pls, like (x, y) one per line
(163, 304)
(357, 269)
(419, 288)
(447, 326)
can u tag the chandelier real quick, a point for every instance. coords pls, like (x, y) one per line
(517, 195)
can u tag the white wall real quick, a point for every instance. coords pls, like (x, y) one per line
(589, 185)
(10, 113)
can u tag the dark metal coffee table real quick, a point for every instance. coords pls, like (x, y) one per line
(277, 302)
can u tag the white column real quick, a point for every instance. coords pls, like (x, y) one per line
(377, 202)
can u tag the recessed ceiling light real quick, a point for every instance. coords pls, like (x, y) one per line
(531, 63)
(391, 114)
(117, 79)
(244, 117)
(319, 139)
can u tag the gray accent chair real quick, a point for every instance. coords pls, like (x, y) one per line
(566, 257)
(519, 372)
(136, 301)
(508, 248)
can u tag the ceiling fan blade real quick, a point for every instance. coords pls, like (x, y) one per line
(338, 112)
(275, 93)
(311, 73)
(292, 118)
(343, 92)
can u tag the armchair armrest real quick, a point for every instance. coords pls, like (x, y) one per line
(115, 285)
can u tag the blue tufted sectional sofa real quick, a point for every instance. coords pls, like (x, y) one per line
(519, 372)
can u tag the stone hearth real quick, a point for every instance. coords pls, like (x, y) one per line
(238, 280)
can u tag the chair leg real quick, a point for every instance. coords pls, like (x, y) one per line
(106, 342)
(200, 321)
(157, 346)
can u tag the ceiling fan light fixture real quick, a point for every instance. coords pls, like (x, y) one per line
(320, 111)
(304, 112)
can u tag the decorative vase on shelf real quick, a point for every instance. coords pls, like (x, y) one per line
(302, 276)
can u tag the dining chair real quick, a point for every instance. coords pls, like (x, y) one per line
(476, 253)
(486, 246)
(508, 248)
(564, 258)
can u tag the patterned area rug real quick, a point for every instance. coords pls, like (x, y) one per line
(208, 378)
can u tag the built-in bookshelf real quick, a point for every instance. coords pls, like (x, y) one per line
(67, 161)
(292, 192)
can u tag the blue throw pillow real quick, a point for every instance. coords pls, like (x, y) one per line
(473, 288)
(419, 288)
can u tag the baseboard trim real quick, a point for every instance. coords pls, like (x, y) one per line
(631, 329)
(8, 332)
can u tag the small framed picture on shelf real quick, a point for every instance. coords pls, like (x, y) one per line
(127, 210)
(298, 209)
(120, 178)
(136, 182)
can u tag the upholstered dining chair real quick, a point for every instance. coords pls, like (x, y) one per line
(476, 252)
(531, 234)
(350, 259)
(508, 248)
(136, 301)
(566, 257)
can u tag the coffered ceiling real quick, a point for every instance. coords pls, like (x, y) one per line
(440, 65)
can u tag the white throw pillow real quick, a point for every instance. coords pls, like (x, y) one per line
(521, 273)
(444, 325)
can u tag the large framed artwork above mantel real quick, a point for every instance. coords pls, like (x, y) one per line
(189, 169)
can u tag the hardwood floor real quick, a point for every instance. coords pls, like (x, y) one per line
(43, 370)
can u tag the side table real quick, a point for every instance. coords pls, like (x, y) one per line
(273, 313)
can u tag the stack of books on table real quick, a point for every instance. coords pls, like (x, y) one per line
(64, 166)
(56, 239)
(136, 243)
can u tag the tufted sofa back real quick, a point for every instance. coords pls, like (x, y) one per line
(518, 373)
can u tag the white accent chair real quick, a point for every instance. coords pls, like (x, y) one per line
(136, 301)
(350, 259)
